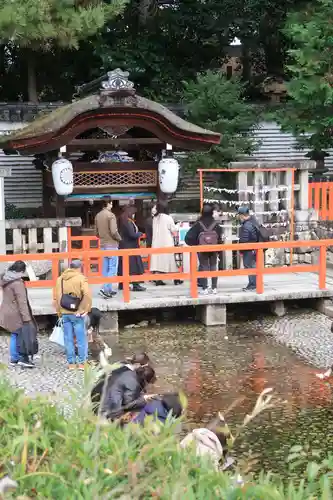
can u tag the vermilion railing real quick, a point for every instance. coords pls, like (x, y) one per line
(90, 256)
(92, 242)
(321, 199)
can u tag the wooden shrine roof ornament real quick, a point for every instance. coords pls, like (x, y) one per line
(116, 106)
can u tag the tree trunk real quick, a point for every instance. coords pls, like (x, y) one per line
(32, 80)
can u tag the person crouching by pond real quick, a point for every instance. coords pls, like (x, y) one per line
(16, 316)
(206, 231)
(164, 229)
(130, 235)
(73, 302)
(160, 408)
(124, 391)
(133, 363)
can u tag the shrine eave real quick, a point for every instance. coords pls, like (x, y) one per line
(61, 126)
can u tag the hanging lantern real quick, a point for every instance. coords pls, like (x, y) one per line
(62, 174)
(168, 175)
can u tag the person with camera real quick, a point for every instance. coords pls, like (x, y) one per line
(73, 302)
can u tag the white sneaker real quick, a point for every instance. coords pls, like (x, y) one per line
(204, 292)
(214, 291)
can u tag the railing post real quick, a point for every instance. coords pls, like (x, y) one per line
(126, 278)
(322, 267)
(55, 270)
(260, 270)
(194, 274)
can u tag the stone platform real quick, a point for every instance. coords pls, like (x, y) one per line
(211, 308)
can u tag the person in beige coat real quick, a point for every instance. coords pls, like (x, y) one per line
(163, 237)
(16, 316)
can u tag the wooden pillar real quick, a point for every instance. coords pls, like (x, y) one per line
(48, 193)
(60, 207)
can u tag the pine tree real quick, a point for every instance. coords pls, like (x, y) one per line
(40, 25)
(216, 103)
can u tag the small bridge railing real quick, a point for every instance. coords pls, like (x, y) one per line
(90, 256)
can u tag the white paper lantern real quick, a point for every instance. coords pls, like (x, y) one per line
(62, 174)
(168, 175)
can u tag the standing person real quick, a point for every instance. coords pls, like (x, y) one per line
(163, 231)
(130, 236)
(16, 316)
(206, 231)
(107, 232)
(248, 233)
(73, 302)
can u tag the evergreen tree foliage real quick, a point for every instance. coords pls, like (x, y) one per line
(41, 25)
(311, 85)
(216, 103)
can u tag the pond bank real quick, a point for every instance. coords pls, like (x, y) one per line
(217, 366)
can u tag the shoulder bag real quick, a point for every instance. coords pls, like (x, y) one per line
(68, 301)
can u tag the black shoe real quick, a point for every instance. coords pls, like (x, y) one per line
(138, 288)
(160, 283)
(178, 282)
(26, 364)
(249, 289)
(13, 363)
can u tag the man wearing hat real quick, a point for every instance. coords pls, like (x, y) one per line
(73, 302)
(248, 233)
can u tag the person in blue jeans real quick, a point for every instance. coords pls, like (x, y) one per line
(16, 315)
(107, 231)
(74, 284)
(248, 233)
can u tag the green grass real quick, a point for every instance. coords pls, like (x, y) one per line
(51, 456)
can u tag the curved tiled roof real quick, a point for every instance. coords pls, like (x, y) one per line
(49, 125)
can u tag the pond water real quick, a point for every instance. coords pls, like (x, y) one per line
(217, 367)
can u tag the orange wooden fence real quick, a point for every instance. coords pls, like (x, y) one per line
(92, 242)
(90, 256)
(321, 199)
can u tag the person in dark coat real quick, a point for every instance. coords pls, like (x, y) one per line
(248, 233)
(124, 390)
(130, 239)
(16, 316)
(133, 363)
(160, 408)
(207, 260)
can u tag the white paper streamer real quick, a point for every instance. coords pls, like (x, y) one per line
(246, 202)
(263, 189)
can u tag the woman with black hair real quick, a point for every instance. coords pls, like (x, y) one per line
(16, 316)
(163, 237)
(122, 388)
(206, 231)
(130, 237)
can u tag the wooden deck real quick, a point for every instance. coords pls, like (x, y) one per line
(276, 287)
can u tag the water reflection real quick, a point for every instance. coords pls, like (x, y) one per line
(215, 371)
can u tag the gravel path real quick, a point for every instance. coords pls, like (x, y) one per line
(50, 377)
(308, 334)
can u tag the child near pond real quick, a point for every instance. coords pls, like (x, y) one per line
(160, 408)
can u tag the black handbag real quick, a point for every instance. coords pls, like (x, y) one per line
(68, 301)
